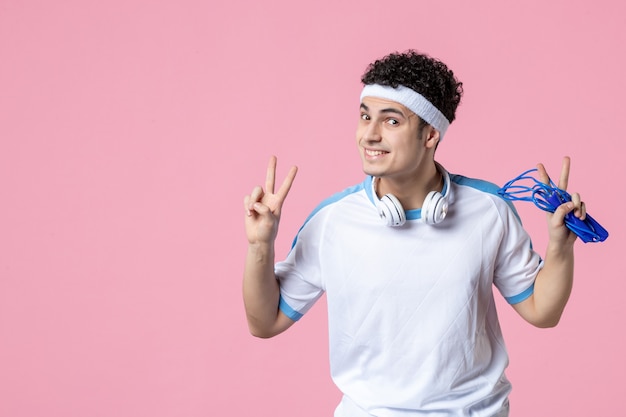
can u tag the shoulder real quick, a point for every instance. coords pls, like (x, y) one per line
(487, 188)
(344, 201)
(476, 189)
(361, 189)
(475, 183)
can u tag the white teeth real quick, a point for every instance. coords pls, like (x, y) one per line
(373, 153)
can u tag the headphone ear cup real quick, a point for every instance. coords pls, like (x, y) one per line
(435, 208)
(391, 211)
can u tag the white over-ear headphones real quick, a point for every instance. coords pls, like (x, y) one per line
(434, 208)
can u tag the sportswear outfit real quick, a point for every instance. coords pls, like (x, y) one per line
(413, 327)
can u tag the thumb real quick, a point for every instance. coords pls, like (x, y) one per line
(558, 217)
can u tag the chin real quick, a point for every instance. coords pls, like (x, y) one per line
(373, 170)
(373, 173)
(368, 170)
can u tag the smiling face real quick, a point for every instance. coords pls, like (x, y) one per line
(393, 142)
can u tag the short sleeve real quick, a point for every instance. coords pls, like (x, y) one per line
(300, 273)
(517, 264)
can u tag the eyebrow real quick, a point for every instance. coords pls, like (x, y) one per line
(386, 110)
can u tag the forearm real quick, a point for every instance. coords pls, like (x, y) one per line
(261, 290)
(553, 286)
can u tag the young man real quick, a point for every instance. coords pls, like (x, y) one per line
(408, 260)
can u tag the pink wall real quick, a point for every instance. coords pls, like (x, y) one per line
(131, 130)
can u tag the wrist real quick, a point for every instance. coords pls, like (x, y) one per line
(563, 251)
(261, 251)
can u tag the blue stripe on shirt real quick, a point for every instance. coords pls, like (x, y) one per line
(288, 311)
(522, 296)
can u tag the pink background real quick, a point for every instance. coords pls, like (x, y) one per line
(131, 130)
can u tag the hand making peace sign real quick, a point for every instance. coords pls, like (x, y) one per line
(559, 234)
(263, 206)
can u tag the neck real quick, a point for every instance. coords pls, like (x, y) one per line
(412, 191)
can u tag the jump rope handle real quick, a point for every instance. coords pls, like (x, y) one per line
(549, 197)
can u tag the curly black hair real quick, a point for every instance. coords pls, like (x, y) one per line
(419, 72)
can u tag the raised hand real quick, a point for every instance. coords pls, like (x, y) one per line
(263, 206)
(559, 233)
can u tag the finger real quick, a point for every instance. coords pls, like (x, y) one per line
(286, 185)
(579, 207)
(255, 196)
(249, 203)
(543, 174)
(558, 217)
(270, 177)
(563, 180)
(583, 210)
(246, 205)
(261, 209)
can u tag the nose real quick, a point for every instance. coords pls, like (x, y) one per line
(370, 132)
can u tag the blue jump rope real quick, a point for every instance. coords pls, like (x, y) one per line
(548, 197)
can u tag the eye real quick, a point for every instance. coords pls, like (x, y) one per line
(393, 122)
(365, 116)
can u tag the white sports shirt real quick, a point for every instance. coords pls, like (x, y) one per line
(412, 322)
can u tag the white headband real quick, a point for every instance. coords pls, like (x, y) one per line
(413, 101)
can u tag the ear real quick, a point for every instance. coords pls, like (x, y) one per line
(431, 136)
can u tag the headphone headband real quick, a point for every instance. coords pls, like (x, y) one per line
(434, 208)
